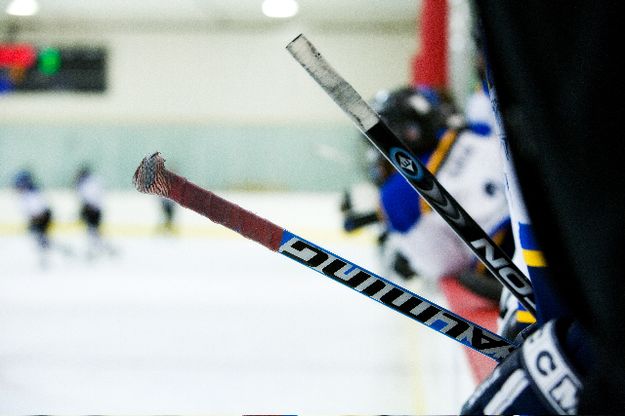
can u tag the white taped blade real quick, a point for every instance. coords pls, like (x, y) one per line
(341, 92)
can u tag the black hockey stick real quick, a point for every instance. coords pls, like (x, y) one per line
(151, 177)
(422, 180)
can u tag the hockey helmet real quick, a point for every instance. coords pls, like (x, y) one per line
(84, 171)
(415, 116)
(23, 180)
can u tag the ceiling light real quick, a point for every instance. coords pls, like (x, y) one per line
(280, 8)
(23, 7)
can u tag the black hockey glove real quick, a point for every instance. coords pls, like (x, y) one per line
(537, 378)
(353, 222)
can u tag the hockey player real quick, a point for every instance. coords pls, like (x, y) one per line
(465, 157)
(90, 192)
(167, 210)
(466, 161)
(553, 74)
(36, 209)
(416, 116)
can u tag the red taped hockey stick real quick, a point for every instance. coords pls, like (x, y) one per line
(151, 177)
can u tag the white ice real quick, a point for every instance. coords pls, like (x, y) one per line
(212, 323)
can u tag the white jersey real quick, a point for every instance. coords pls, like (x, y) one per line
(479, 109)
(90, 191)
(33, 203)
(471, 171)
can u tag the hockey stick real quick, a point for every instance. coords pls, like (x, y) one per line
(411, 168)
(151, 177)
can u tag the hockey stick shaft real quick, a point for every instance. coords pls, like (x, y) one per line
(151, 177)
(415, 172)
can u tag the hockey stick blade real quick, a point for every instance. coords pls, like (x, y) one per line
(415, 172)
(152, 177)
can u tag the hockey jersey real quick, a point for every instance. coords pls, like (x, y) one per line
(468, 164)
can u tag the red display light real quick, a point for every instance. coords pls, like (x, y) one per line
(17, 56)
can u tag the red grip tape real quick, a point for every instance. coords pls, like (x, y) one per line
(224, 212)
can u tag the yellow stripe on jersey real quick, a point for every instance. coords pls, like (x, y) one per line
(497, 238)
(438, 157)
(534, 258)
(524, 317)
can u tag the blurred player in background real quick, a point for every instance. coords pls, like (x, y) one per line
(466, 160)
(90, 191)
(464, 155)
(168, 208)
(37, 211)
(419, 119)
(408, 112)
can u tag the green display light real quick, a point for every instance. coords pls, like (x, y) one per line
(49, 61)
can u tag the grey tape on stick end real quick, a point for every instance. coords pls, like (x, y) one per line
(341, 92)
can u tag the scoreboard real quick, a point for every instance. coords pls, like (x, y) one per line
(30, 68)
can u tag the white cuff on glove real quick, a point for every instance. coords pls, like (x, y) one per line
(550, 371)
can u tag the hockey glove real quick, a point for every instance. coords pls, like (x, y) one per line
(535, 379)
(353, 222)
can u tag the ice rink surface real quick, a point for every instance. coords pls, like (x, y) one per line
(213, 324)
